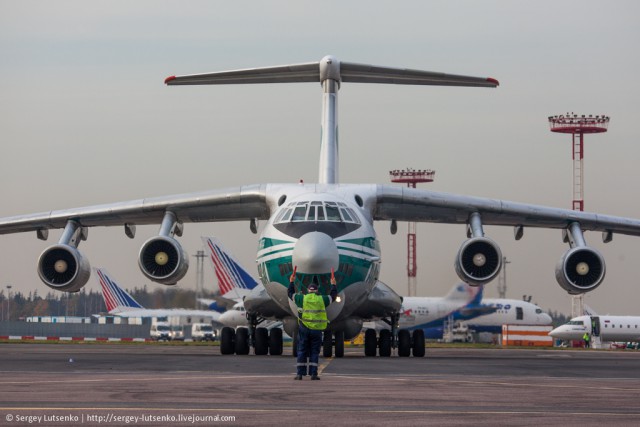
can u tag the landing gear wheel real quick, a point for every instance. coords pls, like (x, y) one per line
(370, 342)
(275, 342)
(418, 343)
(384, 343)
(327, 344)
(227, 340)
(242, 341)
(262, 341)
(339, 343)
(404, 343)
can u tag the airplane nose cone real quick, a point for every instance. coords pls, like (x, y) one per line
(315, 253)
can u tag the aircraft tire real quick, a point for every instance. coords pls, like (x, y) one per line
(262, 342)
(418, 343)
(227, 338)
(404, 343)
(242, 341)
(275, 342)
(370, 342)
(327, 344)
(384, 343)
(339, 343)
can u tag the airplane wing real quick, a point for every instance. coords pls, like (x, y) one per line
(410, 204)
(232, 204)
(382, 302)
(469, 312)
(162, 259)
(479, 259)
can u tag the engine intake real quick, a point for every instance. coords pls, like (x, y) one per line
(63, 268)
(163, 260)
(581, 269)
(478, 261)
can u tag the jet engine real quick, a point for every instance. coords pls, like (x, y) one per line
(163, 260)
(478, 261)
(581, 269)
(63, 268)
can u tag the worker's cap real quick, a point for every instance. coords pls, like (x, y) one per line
(312, 287)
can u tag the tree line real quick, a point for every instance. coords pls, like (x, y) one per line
(18, 306)
(85, 304)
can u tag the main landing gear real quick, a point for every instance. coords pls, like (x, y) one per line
(239, 341)
(405, 341)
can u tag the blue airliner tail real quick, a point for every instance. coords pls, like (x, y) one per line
(115, 298)
(234, 280)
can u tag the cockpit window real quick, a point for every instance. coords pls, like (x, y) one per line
(333, 214)
(317, 211)
(299, 213)
(538, 311)
(576, 322)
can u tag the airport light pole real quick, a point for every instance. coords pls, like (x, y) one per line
(9, 302)
(200, 255)
(578, 126)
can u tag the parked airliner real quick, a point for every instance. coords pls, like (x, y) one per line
(319, 227)
(234, 281)
(608, 328)
(120, 303)
(464, 304)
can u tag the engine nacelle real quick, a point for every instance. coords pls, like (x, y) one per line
(63, 268)
(163, 260)
(478, 261)
(581, 269)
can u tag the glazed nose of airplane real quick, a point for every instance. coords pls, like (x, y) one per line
(315, 253)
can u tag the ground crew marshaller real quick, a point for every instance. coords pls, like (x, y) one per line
(312, 320)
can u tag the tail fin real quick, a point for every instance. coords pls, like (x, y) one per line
(589, 311)
(464, 292)
(330, 72)
(115, 298)
(232, 277)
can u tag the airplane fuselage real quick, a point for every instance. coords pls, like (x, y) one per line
(608, 328)
(316, 229)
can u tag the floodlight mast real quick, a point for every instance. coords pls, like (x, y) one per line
(578, 126)
(411, 177)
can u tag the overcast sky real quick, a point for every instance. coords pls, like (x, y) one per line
(86, 119)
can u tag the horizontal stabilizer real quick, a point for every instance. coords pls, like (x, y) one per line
(361, 73)
(299, 73)
(330, 67)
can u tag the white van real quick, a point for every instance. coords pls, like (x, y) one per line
(203, 332)
(160, 331)
(177, 333)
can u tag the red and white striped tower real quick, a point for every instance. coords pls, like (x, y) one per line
(578, 126)
(411, 177)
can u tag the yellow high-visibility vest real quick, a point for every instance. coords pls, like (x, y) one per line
(314, 314)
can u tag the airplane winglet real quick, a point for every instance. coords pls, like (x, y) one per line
(494, 81)
(168, 79)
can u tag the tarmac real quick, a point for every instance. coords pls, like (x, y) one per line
(166, 385)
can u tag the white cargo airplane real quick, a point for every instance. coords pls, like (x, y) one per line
(322, 226)
(608, 328)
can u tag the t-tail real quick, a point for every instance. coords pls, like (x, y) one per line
(330, 73)
(233, 279)
(115, 298)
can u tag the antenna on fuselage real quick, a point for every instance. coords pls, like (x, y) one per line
(330, 72)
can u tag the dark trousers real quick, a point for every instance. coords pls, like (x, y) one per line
(309, 344)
